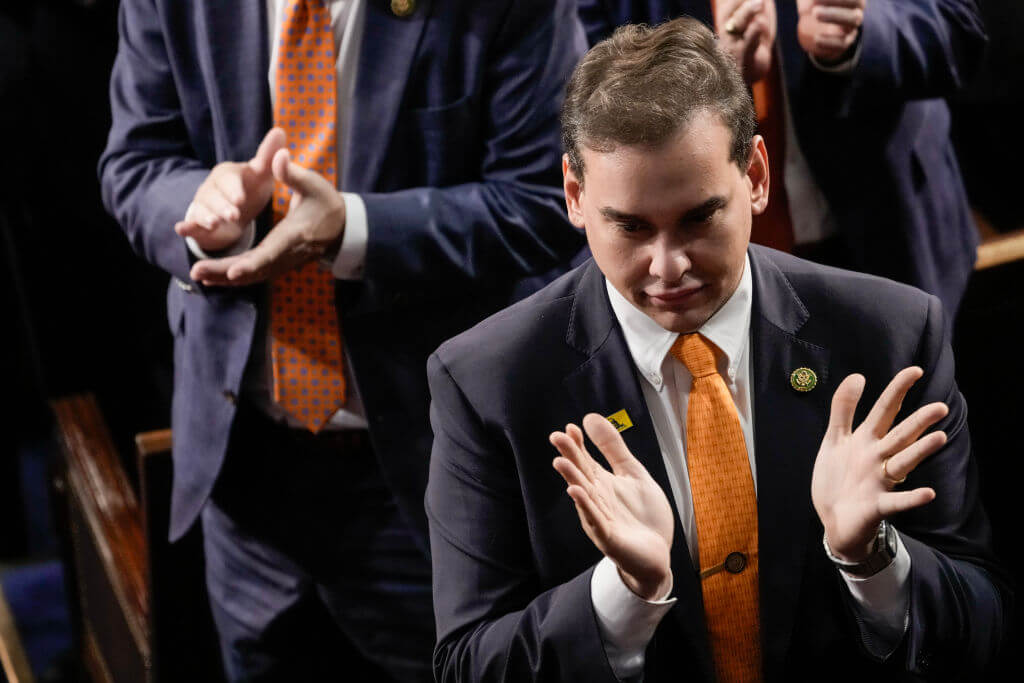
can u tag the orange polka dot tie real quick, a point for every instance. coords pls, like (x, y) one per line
(305, 335)
(725, 506)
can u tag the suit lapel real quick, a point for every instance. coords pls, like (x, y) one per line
(788, 426)
(234, 44)
(385, 56)
(607, 382)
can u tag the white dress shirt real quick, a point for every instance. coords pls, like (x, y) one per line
(627, 622)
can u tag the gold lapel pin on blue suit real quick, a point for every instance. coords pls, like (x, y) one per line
(620, 420)
(403, 8)
(803, 379)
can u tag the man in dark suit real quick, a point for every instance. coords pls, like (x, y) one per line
(446, 127)
(872, 179)
(699, 556)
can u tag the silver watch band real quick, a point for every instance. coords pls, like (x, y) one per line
(883, 552)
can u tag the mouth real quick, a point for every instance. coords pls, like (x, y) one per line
(674, 297)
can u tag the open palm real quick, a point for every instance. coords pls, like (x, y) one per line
(624, 512)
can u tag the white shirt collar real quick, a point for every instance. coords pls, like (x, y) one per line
(648, 342)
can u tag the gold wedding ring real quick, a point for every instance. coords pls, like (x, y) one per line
(888, 477)
(730, 28)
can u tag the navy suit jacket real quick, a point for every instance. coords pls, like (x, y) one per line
(512, 566)
(453, 145)
(877, 140)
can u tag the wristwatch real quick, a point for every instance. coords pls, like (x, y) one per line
(883, 551)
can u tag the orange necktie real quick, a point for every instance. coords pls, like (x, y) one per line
(774, 227)
(305, 336)
(725, 506)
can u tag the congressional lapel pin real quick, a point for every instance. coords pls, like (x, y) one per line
(403, 8)
(803, 379)
(620, 420)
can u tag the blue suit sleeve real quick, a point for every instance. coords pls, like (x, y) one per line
(494, 623)
(959, 600)
(919, 49)
(149, 171)
(511, 222)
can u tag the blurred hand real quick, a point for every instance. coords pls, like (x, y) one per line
(828, 28)
(315, 221)
(851, 491)
(747, 30)
(624, 512)
(232, 195)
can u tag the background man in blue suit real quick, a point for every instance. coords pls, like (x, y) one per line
(873, 181)
(663, 171)
(448, 155)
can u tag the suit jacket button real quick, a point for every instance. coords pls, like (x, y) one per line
(230, 396)
(735, 563)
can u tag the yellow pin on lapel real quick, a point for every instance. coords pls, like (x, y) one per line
(803, 379)
(620, 420)
(403, 8)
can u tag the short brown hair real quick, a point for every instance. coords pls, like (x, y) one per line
(643, 84)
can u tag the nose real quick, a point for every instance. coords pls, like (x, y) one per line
(669, 261)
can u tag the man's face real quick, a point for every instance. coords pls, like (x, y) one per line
(669, 227)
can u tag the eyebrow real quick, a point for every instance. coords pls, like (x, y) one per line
(708, 207)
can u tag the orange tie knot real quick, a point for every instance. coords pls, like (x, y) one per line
(696, 353)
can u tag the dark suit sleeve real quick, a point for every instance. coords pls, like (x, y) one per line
(958, 599)
(511, 222)
(917, 49)
(148, 172)
(495, 622)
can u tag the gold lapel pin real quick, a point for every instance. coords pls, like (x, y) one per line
(803, 379)
(620, 420)
(403, 8)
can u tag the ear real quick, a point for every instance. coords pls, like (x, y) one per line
(573, 187)
(758, 175)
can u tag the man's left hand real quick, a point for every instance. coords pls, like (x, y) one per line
(857, 469)
(315, 222)
(828, 28)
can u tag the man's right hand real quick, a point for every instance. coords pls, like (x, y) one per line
(747, 30)
(232, 195)
(624, 512)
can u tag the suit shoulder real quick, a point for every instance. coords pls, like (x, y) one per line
(859, 305)
(522, 334)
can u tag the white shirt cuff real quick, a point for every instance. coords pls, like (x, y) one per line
(843, 67)
(351, 258)
(625, 620)
(244, 242)
(882, 603)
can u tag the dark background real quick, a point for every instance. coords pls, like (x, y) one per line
(83, 313)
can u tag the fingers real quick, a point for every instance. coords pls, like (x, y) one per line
(894, 502)
(610, 443)
(199, 213)
(844, 405)
(835, 45)
(215, 201)
(888, 405)
(910, 429)
(848, 18)
(232, 189)
(301, 180)
(213, 272)
(907, 460)
(190, 229)
(570, 446)
(590, 514)
(738, 20)
(274, 140)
